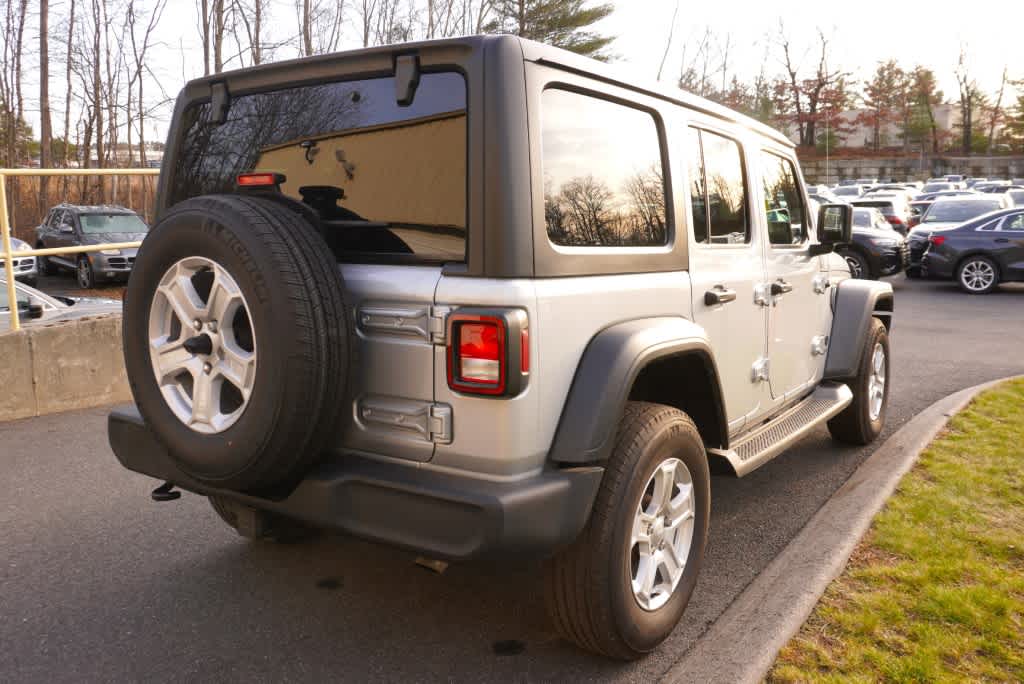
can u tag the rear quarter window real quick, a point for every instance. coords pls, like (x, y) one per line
(604, 184)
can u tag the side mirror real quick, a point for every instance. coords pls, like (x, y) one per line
(67, 228)
(835, 227)
(31, 308)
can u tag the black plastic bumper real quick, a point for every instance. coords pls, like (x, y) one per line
(441, 515)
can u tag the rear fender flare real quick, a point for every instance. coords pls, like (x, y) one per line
(605, 375)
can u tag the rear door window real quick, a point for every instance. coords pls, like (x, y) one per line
(385, 179)
(718, 191)
(604, 184)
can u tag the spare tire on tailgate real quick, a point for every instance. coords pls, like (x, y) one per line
(236, 341)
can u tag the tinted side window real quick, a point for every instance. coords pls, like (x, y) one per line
(726, 192)
(1014, 222)
(698, 190)
(603, 179)
(784, 206)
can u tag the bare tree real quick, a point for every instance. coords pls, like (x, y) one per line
(320, 25)
(45, 127)
(970, 96)
(668, 41)
(996, 113)
(250, 16)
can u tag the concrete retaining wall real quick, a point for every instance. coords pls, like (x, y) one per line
(62, 367)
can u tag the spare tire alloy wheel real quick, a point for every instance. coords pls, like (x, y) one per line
(201, 344)
(236, 342)
(662, 534)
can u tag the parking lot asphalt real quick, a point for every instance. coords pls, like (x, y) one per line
(99, 583)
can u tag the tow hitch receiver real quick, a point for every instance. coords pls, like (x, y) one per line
(165, 492)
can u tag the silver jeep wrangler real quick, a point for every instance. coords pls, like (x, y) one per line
(481, 296)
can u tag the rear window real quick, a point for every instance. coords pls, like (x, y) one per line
(937, 187)
(953, 211)
(386, 179)
(885, 207)
(603, 179)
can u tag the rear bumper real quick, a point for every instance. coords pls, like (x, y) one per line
(438, 514)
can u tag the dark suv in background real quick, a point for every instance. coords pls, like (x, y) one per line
(68, 225)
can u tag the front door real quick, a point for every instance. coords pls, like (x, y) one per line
(726, 269)
(796, 291)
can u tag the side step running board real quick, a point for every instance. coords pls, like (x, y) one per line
(753, 450)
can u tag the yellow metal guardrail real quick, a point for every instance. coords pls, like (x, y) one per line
(8, 255)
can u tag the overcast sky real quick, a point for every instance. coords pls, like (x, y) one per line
(861, 32)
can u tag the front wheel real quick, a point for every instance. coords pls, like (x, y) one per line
(84, 272)
(621, 587)
(44, 265)
(862, 421)
(978, 275)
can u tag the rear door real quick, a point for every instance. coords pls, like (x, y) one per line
(727, 270)
(1009, 246)
(796, 326)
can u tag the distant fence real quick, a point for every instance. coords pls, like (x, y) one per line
(7, 254)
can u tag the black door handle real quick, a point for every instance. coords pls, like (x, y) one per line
(781, 287)
(719, 295)
(1002, 239)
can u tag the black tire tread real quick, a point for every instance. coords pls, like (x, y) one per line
(575, 582)
(850, 425)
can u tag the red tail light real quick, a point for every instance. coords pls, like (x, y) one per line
(937, 240)
(488, 351)
(259, 180)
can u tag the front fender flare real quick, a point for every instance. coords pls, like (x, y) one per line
(610, 364)
(856, 303)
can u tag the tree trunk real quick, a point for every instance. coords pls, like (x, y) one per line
(67, 97)
(45, 127)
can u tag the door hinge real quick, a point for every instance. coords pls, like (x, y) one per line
(821, 283)
(432, 422)
(437, 323)
(819, 345)
(761, 294)
(760, 371)
(439, 424)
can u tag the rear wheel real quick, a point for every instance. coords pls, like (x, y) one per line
(622, 586)
(978, 275)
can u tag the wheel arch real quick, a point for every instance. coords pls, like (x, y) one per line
(642, 359)
(856, 302)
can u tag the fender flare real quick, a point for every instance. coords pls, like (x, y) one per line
(856, 302)
(610, 364)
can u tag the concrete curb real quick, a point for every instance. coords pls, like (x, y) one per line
(69, 365)
(745, 640)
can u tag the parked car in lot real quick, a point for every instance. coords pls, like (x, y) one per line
(38, 308)
(971, 182)
(69, 225)
(25, 269)
(938, 186)
(1017, 196)
(946, 213)
(895, 208)
(849, 192)
(437, 351)
(978, 254)
(877, 249)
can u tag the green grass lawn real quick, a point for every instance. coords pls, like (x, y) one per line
(935, 590)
